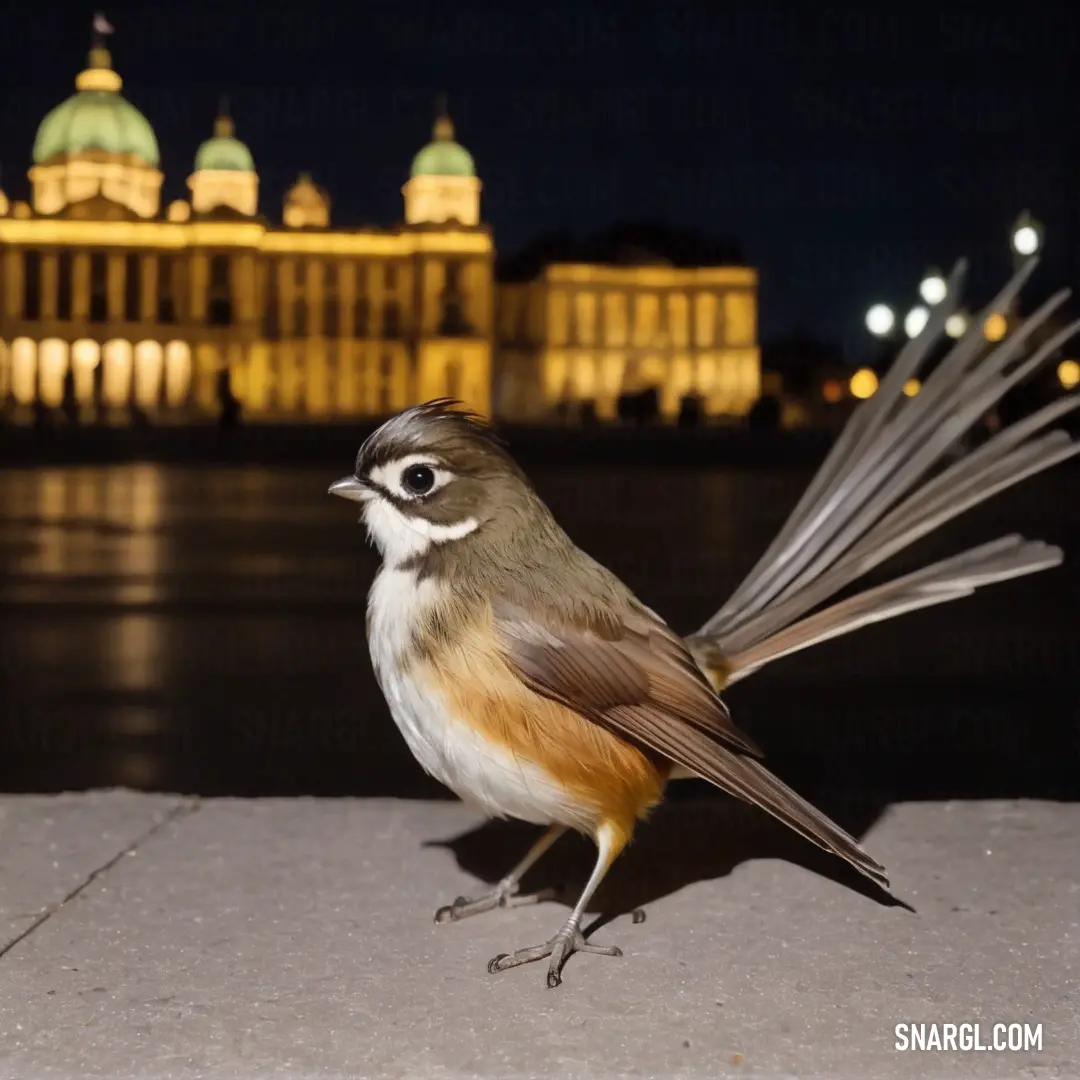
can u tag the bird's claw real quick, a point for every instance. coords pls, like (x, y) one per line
(567, 941)
(502, 896)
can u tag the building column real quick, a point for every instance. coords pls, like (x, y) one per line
(198, 283)
(148, 289)
(80, 286)
(13, 283)
(245, 289)
(315, 292)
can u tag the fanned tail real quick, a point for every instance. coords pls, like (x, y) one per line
(871, 497)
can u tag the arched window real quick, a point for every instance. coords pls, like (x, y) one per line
(31, 284)
(361, 317)
(132, 287)
(331, 301)
(166, 290)
(99, 287)
(219, 305)
(64, 275)
(391, 320)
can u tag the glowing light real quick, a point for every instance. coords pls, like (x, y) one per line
(956, 324)
(915, 321)
(933, 288)
(833, 391)
(995, 327)
(116, 377)
(52, 367)
(863, 383)
(912, 387)
(177, 373)
(880, 320)
(24, 371)
(149, 373)
(85, 356)
(1068, 374)
(1025, 240)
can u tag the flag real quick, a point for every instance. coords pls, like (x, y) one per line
(102, 25)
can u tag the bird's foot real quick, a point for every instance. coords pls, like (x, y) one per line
(504, 895)
(568, 940)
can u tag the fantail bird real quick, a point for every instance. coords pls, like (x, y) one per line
(534, 684)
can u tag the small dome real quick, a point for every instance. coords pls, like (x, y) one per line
(96, 118)
(306, 204)
(443, 156)
(224, 151)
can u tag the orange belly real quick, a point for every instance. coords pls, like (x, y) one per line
(578, 773)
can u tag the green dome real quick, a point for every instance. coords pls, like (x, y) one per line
(224, 151)
(96, 118)
(443, 156)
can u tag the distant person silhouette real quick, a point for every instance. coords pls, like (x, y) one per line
(100, 412)
(648, 406)
(691, 409)
(230, 407)
(69, 404)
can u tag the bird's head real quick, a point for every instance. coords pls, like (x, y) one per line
(432, 476)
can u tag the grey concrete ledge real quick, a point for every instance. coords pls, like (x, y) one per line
(148, 936)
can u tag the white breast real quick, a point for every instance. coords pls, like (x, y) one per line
(483, 774)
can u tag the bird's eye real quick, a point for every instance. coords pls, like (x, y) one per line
(418, 479)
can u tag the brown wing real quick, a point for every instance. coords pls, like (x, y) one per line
(637, 679)
(633, 675)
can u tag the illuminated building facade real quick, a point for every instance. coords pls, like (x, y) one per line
(581, 334)
(112, 306)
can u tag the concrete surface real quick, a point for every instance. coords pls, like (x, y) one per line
(159, 937)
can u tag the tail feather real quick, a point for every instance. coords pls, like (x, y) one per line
(903, 528)
(947, 580)
(864, 426)
(871, 497)
(748, 779)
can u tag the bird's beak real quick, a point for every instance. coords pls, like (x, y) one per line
(349, 487)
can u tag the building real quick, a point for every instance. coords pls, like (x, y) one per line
(582, 334)
(114, 306)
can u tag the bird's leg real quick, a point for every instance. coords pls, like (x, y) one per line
(610, 840)
(505, 894)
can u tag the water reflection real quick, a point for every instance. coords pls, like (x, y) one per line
(132, 653)
(66, 524)
(202, 629)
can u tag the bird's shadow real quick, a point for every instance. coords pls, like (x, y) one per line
(684, 842)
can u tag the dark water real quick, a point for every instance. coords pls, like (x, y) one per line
(202, 629)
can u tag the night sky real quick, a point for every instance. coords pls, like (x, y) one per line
(844, 147)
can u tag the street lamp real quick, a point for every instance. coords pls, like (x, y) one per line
(1027, 235)
(956, 324)
(880, 320)
(1068, 374)
(863, 383)
(915, 321)
(933, 287)
(995, 327)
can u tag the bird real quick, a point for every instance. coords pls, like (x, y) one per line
(532, 682)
